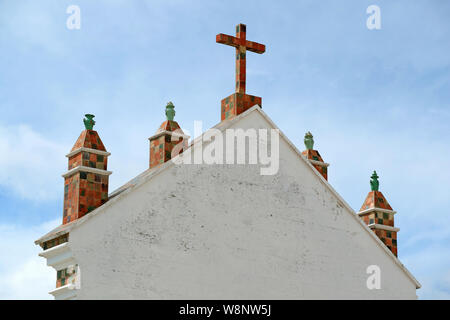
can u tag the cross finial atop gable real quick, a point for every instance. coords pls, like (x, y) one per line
(239, 101)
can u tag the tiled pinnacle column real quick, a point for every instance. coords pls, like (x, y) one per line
(313, 156)
(86, 181)
(379, 216)
(166, 138)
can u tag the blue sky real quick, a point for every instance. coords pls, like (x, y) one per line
(374, 99)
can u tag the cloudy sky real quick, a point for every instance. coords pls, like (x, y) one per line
(374, 99)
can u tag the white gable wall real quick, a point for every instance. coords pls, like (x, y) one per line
(227, 232)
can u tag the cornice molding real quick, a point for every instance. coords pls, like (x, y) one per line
(86, 169)
(170, 133)
(83, 149)
(318, 163)
(382, 227)
(361, 213)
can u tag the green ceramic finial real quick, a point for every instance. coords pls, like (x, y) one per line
(170, 111)
(89, 122)
(374, 183)
(309, 141)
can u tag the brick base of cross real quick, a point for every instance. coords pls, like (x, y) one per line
(237, 103)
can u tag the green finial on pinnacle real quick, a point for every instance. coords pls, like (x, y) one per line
(170, 111)
(309, 141)
(89, 122)
(374, 183)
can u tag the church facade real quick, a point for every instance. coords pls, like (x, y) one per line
(218, 229)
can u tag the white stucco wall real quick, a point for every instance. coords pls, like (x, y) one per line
(227, 232)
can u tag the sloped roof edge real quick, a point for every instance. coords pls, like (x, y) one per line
(355, 216)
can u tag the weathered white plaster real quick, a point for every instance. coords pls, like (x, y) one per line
(227, 232)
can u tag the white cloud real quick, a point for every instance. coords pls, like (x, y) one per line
(23, 274)
(31, 164)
